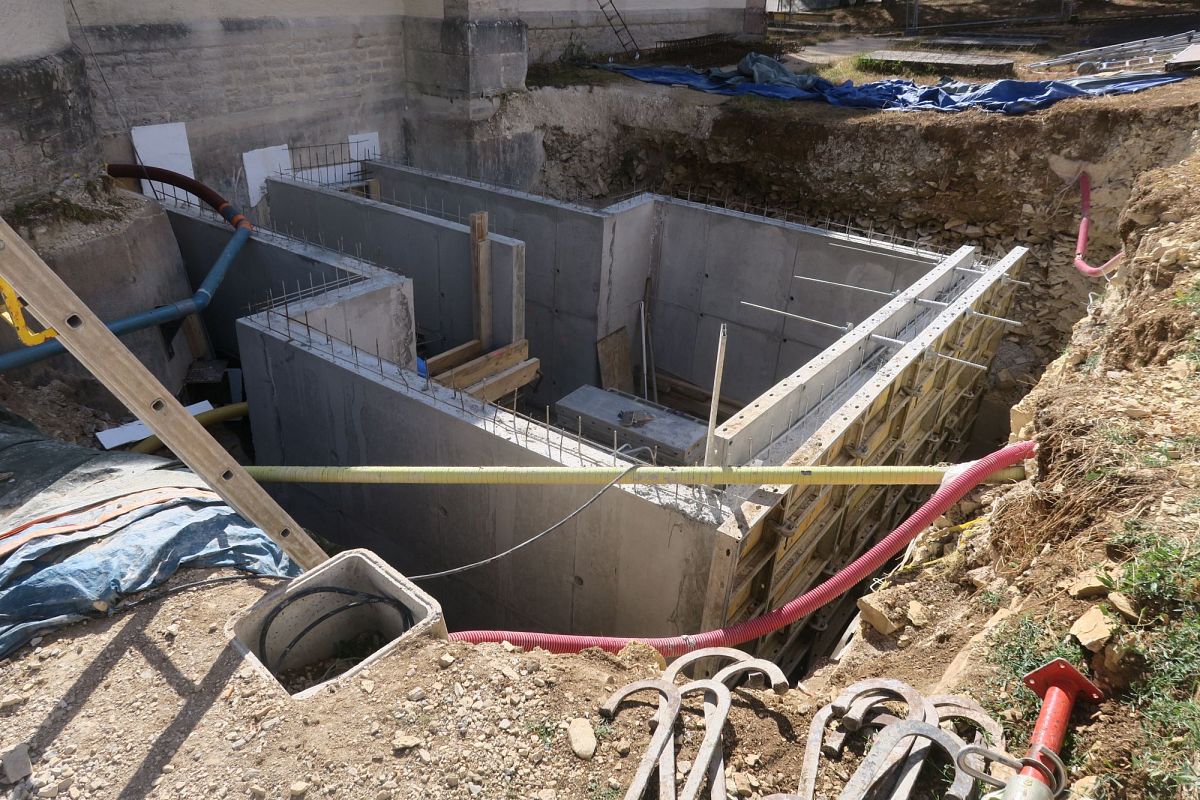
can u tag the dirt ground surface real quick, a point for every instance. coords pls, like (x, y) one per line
(873, 16)
(153, 702)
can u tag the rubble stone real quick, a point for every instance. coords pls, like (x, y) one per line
(1093, 629)
(582, 738)
(875, 613)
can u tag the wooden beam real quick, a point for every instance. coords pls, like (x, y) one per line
(101, 352)
(481, 278)
(506, 382)
(455, 356)
(692, 399)
(486, 365)
(616, 370)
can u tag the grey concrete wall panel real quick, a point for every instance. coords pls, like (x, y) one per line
(629, 252)
(628, 564)
(565, 247)
(267, 266)
(435, 253)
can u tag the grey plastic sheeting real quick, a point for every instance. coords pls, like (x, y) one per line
(58, 579)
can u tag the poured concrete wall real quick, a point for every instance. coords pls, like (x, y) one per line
(626, 565)
(434, 253)
(564, 252)
(374, 316)
(711, 259)
(587, 273)
(556, 26)
(268, 266)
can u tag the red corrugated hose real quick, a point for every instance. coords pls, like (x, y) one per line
(1085, 223)
(851, 575)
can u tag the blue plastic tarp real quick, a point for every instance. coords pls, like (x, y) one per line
(58, 579)
(762, 76)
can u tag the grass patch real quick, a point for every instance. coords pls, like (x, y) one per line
(1163, 577)
(1190, 296)
(601, 791)
(1017, 648)
(1165, 696)
(545, 730)
(991, 599)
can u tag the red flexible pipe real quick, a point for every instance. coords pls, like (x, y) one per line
(209, 195)
(851, 575)
(1085, 193)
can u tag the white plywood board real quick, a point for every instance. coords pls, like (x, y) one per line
(364, 146)
(136, 431)
(269, 162)
(165, 146)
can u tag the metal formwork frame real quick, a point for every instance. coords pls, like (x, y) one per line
(782, 540)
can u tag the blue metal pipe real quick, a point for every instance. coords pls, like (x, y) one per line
(152, 317)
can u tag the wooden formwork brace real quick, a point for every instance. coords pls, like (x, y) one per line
(101, 352)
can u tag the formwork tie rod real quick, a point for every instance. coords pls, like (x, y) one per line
(639, 476)
(873, 336)
(845, 286)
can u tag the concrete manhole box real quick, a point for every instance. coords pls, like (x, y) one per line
(351, 598)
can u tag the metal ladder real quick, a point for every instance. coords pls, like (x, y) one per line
(617, 23)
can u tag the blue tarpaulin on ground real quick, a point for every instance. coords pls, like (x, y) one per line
(762, 76)
(58, 579)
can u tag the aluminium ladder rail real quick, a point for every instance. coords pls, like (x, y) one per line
(118, 370)
(617, 23)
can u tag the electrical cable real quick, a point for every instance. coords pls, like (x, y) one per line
(283, 654)
(532, 539)
(183, 587)
(358, 599)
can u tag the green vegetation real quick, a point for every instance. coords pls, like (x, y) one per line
(1190, 296)
(601, 791)
(990, 599)
(1017, 648)
(545, 730)
(1163, 577)
(1170, 450)
(603, 730)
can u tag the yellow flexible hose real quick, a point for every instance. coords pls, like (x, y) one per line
(598, 476)
(205, 418)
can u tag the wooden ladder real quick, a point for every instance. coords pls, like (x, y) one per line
(617, 23)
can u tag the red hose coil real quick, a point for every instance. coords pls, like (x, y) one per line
(1085, 224)
(851, 575)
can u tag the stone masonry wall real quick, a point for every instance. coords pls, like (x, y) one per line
(46, 130)
(551, 33)
(242, 84)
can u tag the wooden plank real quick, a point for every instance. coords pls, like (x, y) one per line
(692, 399)
(486, 365)
(454, 357)
(481, 278)
(616, 368)
(101, 352)
(506, 382)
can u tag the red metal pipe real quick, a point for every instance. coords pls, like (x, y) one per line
(850, 575)
(1085, 224)
(1059, 685)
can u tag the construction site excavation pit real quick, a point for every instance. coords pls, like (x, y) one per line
(396, 329)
